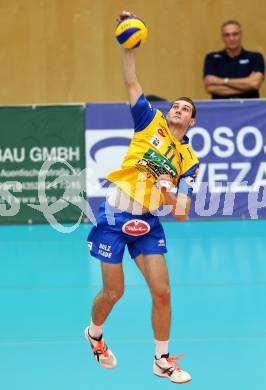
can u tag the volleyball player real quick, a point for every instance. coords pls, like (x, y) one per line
(159, 168)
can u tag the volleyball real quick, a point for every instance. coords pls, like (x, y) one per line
(131, 32)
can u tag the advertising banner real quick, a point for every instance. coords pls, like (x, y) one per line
(41, 163)
(229, 139)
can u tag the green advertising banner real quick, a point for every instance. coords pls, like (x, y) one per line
(42, 164)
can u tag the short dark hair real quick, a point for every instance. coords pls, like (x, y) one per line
(187, 99)
(230, 21)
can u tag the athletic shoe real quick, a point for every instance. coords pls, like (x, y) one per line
(166, 367)
(101, 352)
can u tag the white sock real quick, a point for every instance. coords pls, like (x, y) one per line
(95, 330)
(161, 348)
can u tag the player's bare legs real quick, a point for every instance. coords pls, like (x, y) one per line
(155, 272)
(112, 290)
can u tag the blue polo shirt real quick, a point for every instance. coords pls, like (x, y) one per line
(220, 64)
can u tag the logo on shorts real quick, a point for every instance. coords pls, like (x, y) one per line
(105, 250)
(90, 245)
(136, 227)
(161, 242)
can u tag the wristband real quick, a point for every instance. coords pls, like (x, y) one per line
(164, 184)
(226, 80)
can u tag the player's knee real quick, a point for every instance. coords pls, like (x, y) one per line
(113, 295)
(161, 296)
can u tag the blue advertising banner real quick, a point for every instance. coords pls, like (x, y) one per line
(229, 139)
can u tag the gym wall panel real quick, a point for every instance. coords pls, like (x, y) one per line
(63, 51)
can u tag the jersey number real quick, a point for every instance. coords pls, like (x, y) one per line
(169, 149)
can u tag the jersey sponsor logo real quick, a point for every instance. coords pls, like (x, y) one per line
(156, 142)
(143, 162)
(160, 161)
(136, 227)
(161, 132)
(152, 168)
(244, 61)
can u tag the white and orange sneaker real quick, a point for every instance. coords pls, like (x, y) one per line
(101, 352)
(166, 367)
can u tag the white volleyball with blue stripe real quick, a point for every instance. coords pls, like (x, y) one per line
(131, 32)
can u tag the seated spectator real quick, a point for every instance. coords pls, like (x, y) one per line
(233, 72)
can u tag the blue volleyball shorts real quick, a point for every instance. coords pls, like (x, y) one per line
(116, 229)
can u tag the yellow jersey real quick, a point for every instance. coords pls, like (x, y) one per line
(154, 151)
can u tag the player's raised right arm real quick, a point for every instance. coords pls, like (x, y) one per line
(130, 78)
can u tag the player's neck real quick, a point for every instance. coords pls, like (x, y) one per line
(178, 133)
